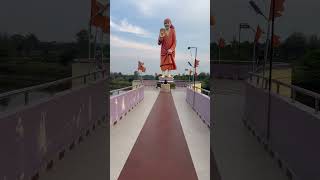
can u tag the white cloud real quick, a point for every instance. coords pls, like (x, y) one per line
(188, 11)
(125, 26)
(119, 42)
(125, 53)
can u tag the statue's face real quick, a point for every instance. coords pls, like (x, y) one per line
(167, 25)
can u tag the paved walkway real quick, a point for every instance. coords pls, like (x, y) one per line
(197, 135)
(188, 136)
(161, 151)
(86, 161)
(238, 154)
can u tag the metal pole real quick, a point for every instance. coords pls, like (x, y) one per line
(239, 40)
(102, 47)
(254, 56)
(219, 54)
(266, 50)
(194, 78)
(89, 39)
(270, 72)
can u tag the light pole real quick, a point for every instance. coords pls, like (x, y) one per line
(242, 26)
(194, 80)
(194, 73)
(258, 11)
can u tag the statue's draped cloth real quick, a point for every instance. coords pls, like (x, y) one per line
(167, 60)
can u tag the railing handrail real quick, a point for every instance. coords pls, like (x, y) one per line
(48, 84)
(292, 88)
(125, 88)
(204, 90)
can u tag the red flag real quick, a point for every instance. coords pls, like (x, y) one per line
(141, 67)
(98, 18)
(196, 63)
(278, 9)
(221, 43)
(258, 34)
(212, 20)
(276, 41)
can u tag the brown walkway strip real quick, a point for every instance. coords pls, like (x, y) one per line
(161, 151)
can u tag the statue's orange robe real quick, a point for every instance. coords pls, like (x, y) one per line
(167, 61)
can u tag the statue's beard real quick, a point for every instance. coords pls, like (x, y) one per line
(167, 27)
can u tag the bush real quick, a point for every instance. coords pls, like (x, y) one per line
(172, 86)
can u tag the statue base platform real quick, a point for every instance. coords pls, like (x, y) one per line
(165, 88)
(165, 80)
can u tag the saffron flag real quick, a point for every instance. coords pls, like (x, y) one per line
(98, 17)
(258, 34)
(212, 20)
(141, 67)
(276, 41)
(278, 8)
(196, 63)
(221, 43)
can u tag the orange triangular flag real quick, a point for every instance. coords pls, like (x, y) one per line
(258, 34)
(278, 9)
(276, 41)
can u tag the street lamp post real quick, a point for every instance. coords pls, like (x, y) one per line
(258, 11)
(194, 73)
(247, 26)
(242, 26)
(194, 82)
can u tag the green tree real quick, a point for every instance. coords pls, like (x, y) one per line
(295, 45)
(82, 43)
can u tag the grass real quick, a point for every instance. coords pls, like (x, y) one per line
(282, 75)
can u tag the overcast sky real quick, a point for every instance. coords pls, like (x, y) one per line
(135, 28)
(299, 16)
(137, 22)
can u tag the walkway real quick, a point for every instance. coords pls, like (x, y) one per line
(86, 161)
(165, 146)
(162, 133)
(238, 154)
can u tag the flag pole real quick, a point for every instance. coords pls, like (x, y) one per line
(102, 48)
(95, 42)
(266, 49)
(270, 70)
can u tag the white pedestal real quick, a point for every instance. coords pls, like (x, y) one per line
(165, 88)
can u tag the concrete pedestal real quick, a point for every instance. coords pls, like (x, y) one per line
(165, 88)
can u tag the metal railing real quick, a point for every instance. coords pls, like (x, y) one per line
(203, 91)
(85, 78)
(263, 82)
(121, 90)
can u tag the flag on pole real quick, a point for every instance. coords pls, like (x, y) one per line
(278, 9)
(98, 17)
(196, 63)
(141, 67)
(258, 34)
(212, 20)
(276, 41)
(221, 43)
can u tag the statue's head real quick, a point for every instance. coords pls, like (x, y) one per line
(167, 23)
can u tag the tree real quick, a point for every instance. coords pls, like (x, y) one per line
(82, 43)
(314, 42)
(295, 45)
(30, 43)
(67, 56)
(17, 41)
